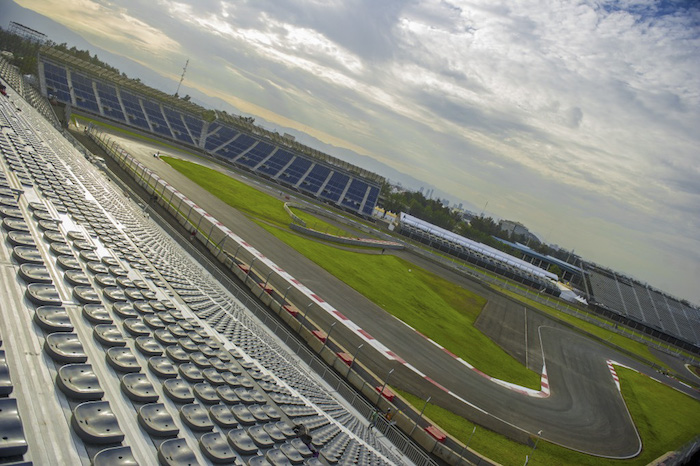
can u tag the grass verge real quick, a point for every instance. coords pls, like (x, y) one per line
(423, 300)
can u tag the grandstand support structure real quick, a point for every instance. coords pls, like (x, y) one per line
(27, 33)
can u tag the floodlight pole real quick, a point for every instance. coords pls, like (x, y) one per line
(421, 415)
(384, 386)
(357, 351)
(303, 318)
(328, 337)
(527, 457)
(466, 445)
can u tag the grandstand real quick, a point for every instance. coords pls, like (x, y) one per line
(643, 307)
(116, 348)
(479, 254)
(102, 93)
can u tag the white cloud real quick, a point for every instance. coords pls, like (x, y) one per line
(506, 100)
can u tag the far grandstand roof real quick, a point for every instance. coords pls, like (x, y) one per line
(478, 247)
(192, 108)
(544, 257)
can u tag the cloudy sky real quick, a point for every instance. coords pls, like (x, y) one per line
(580, 119)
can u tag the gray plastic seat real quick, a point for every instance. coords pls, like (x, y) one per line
(114, 294)
(77, 278)
(200, 360)
(60, 248)
(178, 390)
(88, 255)
(222, 416)
(65, 348)
(95, 423)
(216, 448)
(118, 271)
(105, 280)
(157, 421)
(258, 412)
(5, 379)
(53, 319)
(148, 346)
(43, 294)
(177, 354)
(292, 453)
(124, 310)
(190, 372)
(301, 447)
(14, 224)
(122, 359)
(108, 335)
(68, 262)
(260, 436)
(86, 295)
(153, 321)
(143, 307)
(176, 452)
(274, 432)
(227, 395)
(272, 412)
(188, 345)
(27, 255)
(138, 388)
(34, 273)
(115, 456)
(177, 331)
(51, 225)
(205, 393)
(78, 381)
(212, 376)
(258, 461)
(241, 442)
(162, 367)
(21, 238)
(12, 442)
(276, 458)
(286, 429)
(165, 337)
(196, 417)
(135, 327)
(133, 294)
(97, 314)
(97, 267)
(243, 415)
(245, 395)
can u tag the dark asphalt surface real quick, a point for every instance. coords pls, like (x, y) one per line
(585, 411)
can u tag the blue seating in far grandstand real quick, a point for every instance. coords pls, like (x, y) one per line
(177, 125)
(195, 126)
(217, 136)
(110, 101)
(371, 200)
(276, 163)
(295, 171)
(57, 81)
(134, 113)
(355, 194)
(335, 186)
(315, 179)
(155, 116)
(255, 155)
(84, 93)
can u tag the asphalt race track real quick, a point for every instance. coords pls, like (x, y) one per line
(584, 411)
